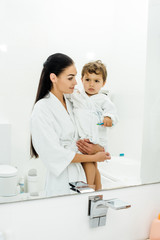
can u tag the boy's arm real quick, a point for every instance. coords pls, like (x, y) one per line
(109, 112)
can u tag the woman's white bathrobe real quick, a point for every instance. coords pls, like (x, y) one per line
(54, 138)
(88, 111)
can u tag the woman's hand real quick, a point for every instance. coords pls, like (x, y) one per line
(97, 157)
(86, 147)
(101, 156)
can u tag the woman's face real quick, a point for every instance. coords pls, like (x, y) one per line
(66, 81)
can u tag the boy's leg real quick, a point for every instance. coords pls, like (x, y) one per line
(98, 180)
(98, 185)
(90, 172)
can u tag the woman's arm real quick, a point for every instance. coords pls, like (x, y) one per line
(97, 157)
(86, 147)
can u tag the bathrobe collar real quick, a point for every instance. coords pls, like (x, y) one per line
(69, 111)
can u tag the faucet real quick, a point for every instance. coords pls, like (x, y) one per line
(97, 209)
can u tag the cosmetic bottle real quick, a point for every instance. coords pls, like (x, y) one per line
(32, 179)
(155, 229)
(21, 184)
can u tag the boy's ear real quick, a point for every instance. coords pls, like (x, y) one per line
(53, 77)
(104, 82)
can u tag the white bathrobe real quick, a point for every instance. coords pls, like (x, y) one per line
(54, 138)
(88, 111)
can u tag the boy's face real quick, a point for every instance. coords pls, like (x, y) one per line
(92, 83)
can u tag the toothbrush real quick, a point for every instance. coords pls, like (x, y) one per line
(100, 123)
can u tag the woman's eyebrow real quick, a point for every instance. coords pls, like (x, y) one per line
(71, 74)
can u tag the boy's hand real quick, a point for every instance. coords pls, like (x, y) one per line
(107, 122)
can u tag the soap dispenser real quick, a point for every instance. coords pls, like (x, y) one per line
(155, 229)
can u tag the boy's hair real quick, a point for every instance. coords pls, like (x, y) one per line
(96, 67)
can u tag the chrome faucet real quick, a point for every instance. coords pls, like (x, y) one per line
(80, 187)
(97, 209)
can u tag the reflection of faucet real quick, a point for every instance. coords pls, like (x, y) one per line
(80, 187)
(98, 208)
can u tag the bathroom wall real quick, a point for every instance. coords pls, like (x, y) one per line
(150, 171)
(5, 142)
(85, 30)
(65, 218)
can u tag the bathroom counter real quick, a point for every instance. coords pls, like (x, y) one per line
(21, 197)
(62, 211)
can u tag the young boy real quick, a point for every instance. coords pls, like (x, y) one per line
(93, 111)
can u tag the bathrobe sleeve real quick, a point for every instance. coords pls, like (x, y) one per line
(47, 144)
(109, 109)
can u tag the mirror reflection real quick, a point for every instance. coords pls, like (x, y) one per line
(87, 34)
(68, 126)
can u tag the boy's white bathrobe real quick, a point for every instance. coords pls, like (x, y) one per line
(88, 111)
(54, 138)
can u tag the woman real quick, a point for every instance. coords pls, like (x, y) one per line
(53, 130)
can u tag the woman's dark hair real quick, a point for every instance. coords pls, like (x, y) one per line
(56, 63)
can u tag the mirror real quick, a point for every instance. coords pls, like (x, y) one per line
(125, 36)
